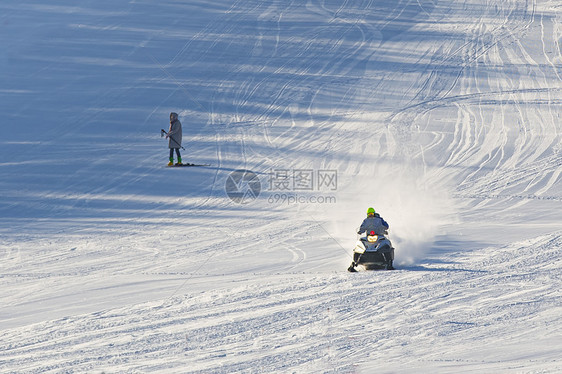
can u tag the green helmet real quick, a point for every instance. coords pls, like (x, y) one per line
(370, 211)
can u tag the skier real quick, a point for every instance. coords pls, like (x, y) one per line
(174, 136)
(373, 222)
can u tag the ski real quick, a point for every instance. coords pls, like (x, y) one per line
(187, 164)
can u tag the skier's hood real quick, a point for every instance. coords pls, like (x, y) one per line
(173, 117)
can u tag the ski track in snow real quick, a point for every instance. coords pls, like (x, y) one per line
(112, 263)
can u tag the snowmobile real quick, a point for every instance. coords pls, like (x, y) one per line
(373, 252)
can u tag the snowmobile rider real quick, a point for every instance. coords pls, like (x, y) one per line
(373, 222)
(175, 136)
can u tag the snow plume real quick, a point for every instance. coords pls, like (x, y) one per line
(416, 214)
(414, 209)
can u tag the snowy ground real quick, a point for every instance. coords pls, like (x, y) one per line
(444, 116)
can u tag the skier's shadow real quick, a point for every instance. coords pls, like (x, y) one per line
(229, 169)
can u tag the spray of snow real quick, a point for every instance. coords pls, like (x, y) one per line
(416, 215)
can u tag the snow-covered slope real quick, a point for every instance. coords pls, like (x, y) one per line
(444, 116)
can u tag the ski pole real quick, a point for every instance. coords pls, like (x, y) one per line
(171, 137)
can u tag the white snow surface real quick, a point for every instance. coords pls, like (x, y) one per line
(443, 115)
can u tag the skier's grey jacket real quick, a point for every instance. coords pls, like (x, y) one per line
(174, 134)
